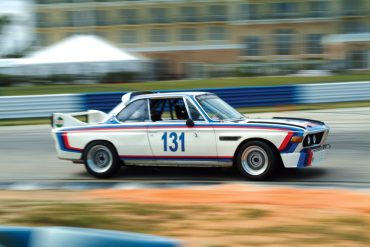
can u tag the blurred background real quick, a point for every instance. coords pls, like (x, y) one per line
(75, 41)
(258, 55)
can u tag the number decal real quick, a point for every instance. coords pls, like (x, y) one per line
(182, 139)
(174, 145)
(164, 139)
(174, 141)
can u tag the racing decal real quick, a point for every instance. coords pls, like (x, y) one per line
(175, 141)
(192, 158)
(286, 141)
(285, 124)
(59, 122)
(305, 158)
(276, 127)
(64, 145)
(287, 146)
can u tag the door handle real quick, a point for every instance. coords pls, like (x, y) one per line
(153, 131)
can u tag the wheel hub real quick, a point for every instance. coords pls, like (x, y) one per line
(254, 160)
(99, 158)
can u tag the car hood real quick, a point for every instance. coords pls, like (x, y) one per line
(307, 124)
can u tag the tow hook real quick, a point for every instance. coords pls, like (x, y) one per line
(326, 146)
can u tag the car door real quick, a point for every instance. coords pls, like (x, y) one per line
(131, 137)
(172, 141)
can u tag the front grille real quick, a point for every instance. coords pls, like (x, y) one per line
(313, 139)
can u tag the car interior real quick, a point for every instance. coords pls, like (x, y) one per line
(168, 109)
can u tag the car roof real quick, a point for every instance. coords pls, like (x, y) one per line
(168, 94)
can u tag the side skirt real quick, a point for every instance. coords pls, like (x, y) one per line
(175, 163)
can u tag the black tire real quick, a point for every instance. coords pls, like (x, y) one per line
(256, 160)
(101, 159)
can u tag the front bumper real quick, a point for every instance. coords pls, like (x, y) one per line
(306, 157)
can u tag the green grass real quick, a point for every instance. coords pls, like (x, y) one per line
(330, 230)
(181, 84)
(126, 217)
(27, 121)
(254, 213)
(237, 222)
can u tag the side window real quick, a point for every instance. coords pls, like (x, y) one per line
(194, 113)
(156, 109)
(137, 111)
(180, 109)
(168, 109)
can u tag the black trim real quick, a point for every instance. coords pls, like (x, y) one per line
(229, 138)
(137, 93)
(302, 119)
(318, 137)
(52, 120)
(77, 161)
(287, 124)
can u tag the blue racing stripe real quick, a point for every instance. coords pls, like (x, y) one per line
(62, 145)
(302, 159)
(291, 147)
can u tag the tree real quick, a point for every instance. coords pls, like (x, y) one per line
(4, 20)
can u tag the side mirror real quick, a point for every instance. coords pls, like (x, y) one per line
(189, 122)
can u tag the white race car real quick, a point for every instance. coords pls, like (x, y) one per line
(186, 129)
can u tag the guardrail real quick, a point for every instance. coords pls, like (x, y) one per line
(44, 105)
(333, 92)
(39, 105)
(81, 237)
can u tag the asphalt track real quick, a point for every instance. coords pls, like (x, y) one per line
(27, 156)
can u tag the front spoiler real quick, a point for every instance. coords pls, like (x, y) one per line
(306, 157)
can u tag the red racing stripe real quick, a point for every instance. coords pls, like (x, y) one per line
(66, 143)
(309, 159)
(286, 141)
(175, 156)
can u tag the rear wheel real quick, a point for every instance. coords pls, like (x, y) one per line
(256, 160)
(101, 159)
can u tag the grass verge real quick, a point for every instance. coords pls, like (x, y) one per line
(197, 224)
(181, 84)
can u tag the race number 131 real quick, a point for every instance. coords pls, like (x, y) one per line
(172, 141)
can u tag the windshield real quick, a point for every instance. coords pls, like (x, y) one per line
(217, 109)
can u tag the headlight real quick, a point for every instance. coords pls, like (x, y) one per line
(308, 140)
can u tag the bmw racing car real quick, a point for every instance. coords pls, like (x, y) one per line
(186, 129)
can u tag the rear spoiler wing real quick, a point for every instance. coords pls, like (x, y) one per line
(60, 120)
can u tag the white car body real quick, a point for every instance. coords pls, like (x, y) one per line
(209, 142)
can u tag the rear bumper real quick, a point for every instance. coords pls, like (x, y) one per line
(306, 157)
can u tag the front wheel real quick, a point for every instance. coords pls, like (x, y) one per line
(101, 160)
(256, 160)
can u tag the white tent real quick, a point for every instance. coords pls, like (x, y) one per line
(79, 54)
